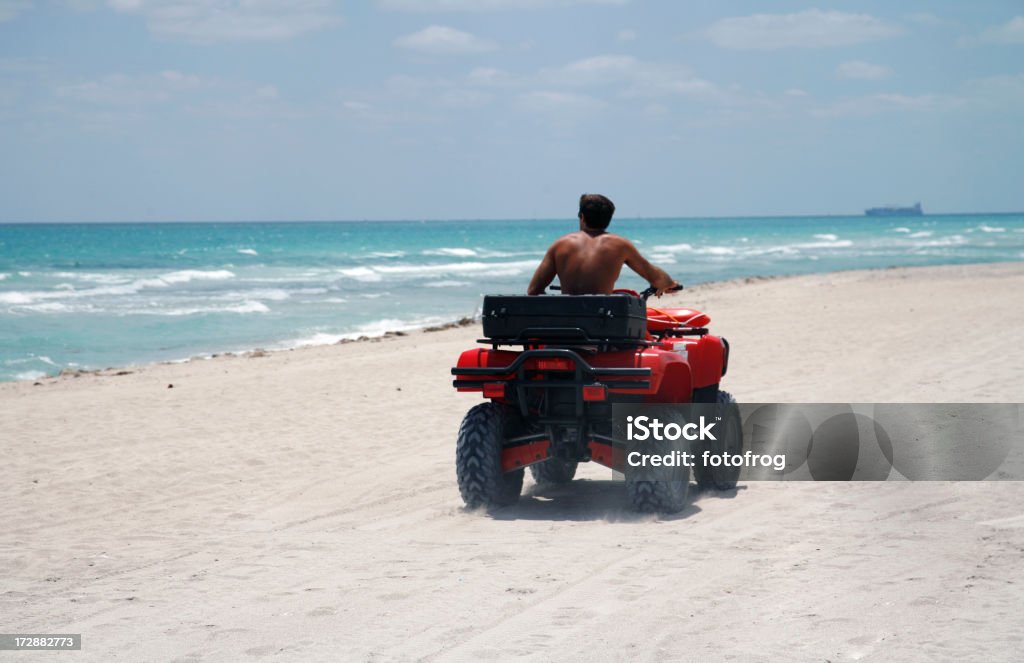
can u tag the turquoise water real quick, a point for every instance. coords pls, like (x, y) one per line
(100, 295)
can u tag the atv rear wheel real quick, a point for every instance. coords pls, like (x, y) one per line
(478, 459)
(658, 489)
(658, 496)
(729, 442)
(554, 471)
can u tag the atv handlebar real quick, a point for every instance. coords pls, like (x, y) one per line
(645, 295)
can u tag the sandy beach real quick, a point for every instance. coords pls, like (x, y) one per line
(301, 505)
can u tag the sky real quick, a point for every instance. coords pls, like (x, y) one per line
(189, 110)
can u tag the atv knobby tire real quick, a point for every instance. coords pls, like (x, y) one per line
(658, 489)
(650, 496)
(553, 471)
(729, 441)
(478, 459)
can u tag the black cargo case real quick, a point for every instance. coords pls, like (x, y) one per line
(565, 317)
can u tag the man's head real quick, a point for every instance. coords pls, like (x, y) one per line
(596, 211)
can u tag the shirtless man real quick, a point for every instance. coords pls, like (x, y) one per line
(588, 261)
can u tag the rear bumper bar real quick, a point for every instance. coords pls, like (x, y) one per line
(583, 369)
(515, 376)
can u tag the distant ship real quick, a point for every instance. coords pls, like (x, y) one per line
(895, 210)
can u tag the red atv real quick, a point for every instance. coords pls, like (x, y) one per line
(555, 367)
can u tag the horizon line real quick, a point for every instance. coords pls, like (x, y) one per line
(495, 219)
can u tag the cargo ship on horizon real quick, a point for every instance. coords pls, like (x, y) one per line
(895, 210)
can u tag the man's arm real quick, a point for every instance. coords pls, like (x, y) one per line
(544, 275)
(656, 276)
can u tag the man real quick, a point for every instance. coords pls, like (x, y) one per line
(588, 261)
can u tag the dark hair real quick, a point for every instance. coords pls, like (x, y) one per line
(596, 210)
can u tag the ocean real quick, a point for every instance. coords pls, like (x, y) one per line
(103, 295)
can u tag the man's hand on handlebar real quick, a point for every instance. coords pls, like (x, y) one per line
(673, 287)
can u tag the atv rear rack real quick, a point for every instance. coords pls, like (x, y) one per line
(583, 375)
(563, 336)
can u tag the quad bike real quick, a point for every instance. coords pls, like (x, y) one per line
(554, 368)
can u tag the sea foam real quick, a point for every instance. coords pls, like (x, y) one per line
(161, 281)
(454, 252)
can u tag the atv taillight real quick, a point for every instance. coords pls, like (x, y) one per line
(595, 392)
(556, 364)
(494, 390)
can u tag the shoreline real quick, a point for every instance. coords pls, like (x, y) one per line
(240, 292)
(461, 322)
(261, 351)
(464, 321)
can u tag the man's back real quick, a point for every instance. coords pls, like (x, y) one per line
(588, 261)
(589, 264)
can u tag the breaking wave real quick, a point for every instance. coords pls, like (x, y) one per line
(376, 273)
(243, 307)
(132, 287)
(721, 251)
(368, 329)
(455, 253)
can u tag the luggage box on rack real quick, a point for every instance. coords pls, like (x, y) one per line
(565, 317)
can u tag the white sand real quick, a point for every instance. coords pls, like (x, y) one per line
(302, 505)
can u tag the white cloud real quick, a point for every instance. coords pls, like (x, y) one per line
(1011, 32)
(626, 35)
(875, 104)
(9, 9)
(442, 40)
(630, 76)
(656, 110)
(462, 98)
(132, 96)
(927, 19)
(231, 20)
(83, 5)
(268, 92)
(23, 65)
(358, 106)
(491, 77)
(598, 69)
(413, 86)
(416, 100)
(484, 5)
(123, 90)
(812, 28)
(547, 101)
(624, 76)
(1000, 93)
(860, 70)
(576, 89)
